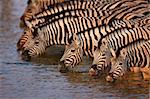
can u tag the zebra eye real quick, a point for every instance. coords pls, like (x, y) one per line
(73, 50)
(120, 63)
(103, 54)
(36, 42)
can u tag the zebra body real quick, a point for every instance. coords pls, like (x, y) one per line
(113, 43)
(134, 55)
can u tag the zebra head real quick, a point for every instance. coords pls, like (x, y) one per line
(34, 46)
(118, 67)
(73, 53)
(101, 59)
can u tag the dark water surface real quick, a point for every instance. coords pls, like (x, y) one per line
(40, 78)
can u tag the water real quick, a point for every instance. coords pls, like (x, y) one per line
(40, 78)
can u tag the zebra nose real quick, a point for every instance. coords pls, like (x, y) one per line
(62, 68)
(25, 55)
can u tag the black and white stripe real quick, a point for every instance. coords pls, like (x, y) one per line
(134, 55)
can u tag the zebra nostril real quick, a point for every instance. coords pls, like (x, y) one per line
(25, 55)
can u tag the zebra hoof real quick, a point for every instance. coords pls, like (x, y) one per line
(109, 79)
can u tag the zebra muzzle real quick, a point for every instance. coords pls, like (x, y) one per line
(93, 70)
(62, 68)
(25, 55)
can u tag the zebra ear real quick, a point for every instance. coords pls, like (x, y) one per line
(113, 53)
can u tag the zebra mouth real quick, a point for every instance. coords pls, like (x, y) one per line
(25, 55)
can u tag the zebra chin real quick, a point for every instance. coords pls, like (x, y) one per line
(25, 55)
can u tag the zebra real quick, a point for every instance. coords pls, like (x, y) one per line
(90, 42)
(125, 9)
(134, 55)
(111, 45)
(61, 31)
